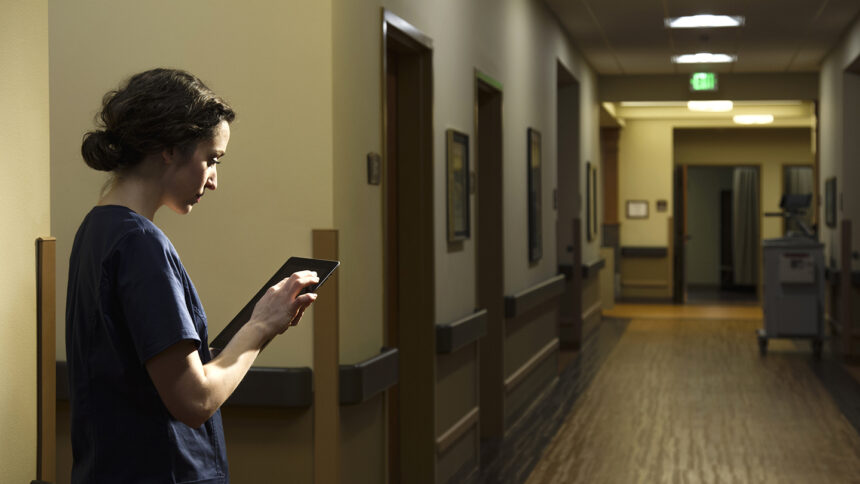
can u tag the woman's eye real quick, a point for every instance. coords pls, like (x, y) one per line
(214, 161)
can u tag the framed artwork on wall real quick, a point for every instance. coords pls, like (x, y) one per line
(588, 190)
(534, 195)
(595, 226)
(830, 202)
(637, 208)
(458, 185)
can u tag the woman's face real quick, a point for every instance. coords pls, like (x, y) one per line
(187, 177)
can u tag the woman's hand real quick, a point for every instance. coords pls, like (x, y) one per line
(282, 306)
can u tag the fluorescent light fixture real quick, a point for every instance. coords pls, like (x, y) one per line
(703, 58)
(710, 106)
(704, 21)
(753, 118)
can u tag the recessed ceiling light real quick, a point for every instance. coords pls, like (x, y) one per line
(703, 58)
(704, 21)
(710, 106)
(753, 118)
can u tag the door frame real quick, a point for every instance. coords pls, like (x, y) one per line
(411, 451)
(489, 265)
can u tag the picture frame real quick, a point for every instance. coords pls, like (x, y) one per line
(534, 195)
(458, 181)
(637, 209)
(589, 188)
(595, 225)
(830, 202)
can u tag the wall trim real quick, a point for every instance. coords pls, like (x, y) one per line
(655, 252)
(362, 381)
(453, 336)
(595, 308)
(453, 434)
(649, 283)
(522, 372)
(533, 296)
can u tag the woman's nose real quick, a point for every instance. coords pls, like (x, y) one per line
(212, 181)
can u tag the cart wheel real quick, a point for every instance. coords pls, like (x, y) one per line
(816, 348)
(762, 345)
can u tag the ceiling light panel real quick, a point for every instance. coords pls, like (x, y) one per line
(704, 58)
(710, 106)
(704, 21)
(753, 118)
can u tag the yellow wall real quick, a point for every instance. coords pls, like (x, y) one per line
(767, 148)
(272, 61)
(25, 215)
(647, 154)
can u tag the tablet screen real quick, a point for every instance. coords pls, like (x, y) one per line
(323, 268)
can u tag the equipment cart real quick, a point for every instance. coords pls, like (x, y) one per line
(793, 291)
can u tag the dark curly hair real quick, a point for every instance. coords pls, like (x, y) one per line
(154, 110)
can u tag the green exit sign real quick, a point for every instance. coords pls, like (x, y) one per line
(703, 81)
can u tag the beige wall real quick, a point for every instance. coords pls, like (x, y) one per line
(272, 61)
(648, 152)
(25, 215)
(840, 147)
(768, 148)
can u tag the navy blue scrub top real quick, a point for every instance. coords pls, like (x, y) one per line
(129, 298)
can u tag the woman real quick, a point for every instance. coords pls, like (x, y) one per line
(145, 390)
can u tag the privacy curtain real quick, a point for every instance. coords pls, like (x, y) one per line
(745, 215)
(798, 181)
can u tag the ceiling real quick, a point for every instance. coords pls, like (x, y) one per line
(620, 37)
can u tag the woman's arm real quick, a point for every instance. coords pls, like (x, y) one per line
(192, 391)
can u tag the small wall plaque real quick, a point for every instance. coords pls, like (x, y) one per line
(662, 205)
(637, 209)
(374, 162)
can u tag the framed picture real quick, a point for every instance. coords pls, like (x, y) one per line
(589, 203)
(595, 227)
(534, 200)
(637, 208)
(458, 186)
(830, 202)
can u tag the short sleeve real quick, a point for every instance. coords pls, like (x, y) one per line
(152, 293)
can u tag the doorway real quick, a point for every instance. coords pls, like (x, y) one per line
(567, 199)
(722, 234)
(489, 254)
(409, 287)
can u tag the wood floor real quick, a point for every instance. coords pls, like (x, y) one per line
(684, 397)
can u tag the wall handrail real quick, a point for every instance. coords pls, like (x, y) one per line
(453, 336)
(261, 387)
(644, 252)
(590, 269)
(533, 296)
(362, 381)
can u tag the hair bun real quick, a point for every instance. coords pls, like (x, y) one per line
(101, 151)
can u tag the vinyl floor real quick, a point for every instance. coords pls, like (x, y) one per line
(684, 397)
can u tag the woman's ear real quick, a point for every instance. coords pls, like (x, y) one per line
(169, 155)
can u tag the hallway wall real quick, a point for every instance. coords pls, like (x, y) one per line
(25, 212)
(272, 62)
(516, 43)
(649, 149)
(839, 115)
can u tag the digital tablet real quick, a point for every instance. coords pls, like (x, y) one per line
(323, 268)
